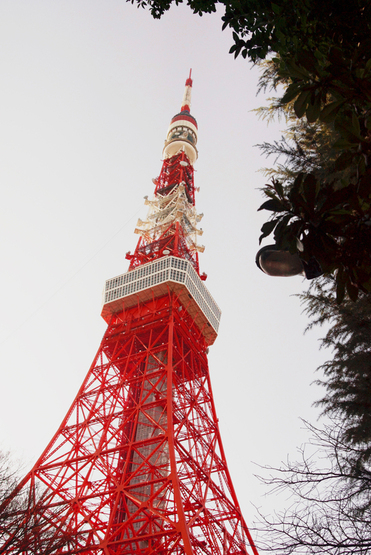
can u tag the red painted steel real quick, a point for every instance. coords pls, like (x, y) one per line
(137, 466)
(172, 240)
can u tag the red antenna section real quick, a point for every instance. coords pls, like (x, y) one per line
(137, 466)
(172, 224)
(186, 104)
(189, 80)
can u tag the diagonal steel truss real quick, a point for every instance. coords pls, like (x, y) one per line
(137, 465)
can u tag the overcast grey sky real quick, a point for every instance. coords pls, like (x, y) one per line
(88, 88)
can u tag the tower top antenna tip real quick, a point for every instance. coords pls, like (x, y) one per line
(189, 80)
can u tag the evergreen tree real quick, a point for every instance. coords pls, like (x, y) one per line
(347, 375)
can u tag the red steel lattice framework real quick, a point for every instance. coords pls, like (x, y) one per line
(137, 466)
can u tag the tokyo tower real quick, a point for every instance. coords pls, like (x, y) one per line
(137, 466)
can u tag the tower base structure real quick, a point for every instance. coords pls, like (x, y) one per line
(137, 466)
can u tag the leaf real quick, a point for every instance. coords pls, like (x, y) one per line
(274, 204)
(348, 127)
(295, 196)
(340, 73)
(237, 51)
(343, 161)
(342, 144)
(292, 92)
(364, 185)
(295, 71)
(368, 65)
(301, 103)
(362, 165)
(313, 110)
(307, 60)
(279, 188)
(267, 229)
(355, 125)
(310, 189)
(330, 111)
(282, 229)
(340, 286)
(339, 198)
(269, 193)
(335, 56)
(275, 8)
(352, 291)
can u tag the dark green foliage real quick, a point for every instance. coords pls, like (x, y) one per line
(330, 223)
(284, 26)
(347, 376)
(329, 204)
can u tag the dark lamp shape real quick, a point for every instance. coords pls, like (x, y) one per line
(275, 262)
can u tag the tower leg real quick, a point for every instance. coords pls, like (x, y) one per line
(137, 466)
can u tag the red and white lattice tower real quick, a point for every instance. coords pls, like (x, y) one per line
(137, 466)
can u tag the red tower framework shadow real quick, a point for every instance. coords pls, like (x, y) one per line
(137, 466)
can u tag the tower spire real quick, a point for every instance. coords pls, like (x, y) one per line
(186, 104)
(171, 226)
